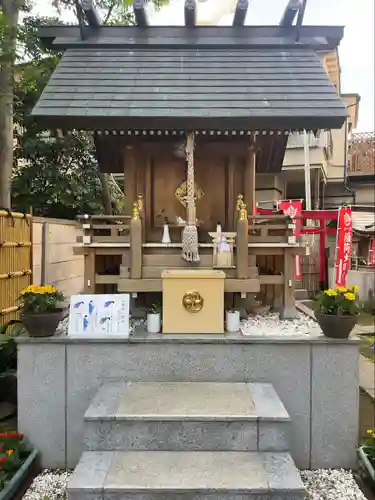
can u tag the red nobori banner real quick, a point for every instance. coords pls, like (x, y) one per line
(343, 244)
(293, 209)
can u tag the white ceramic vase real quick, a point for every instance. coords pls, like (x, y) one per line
(153, 323)
(233, 321)
(166, 237)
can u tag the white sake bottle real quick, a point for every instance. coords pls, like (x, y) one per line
(166, 237)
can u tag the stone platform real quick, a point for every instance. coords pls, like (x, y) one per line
(316, 378)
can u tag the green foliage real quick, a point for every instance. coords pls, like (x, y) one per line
(55, 173)
(370, 443)
(40, 299)
(340, 301)
(12, 453)
(155, 308)
(111, 11)
(57, 176)
(8, 347)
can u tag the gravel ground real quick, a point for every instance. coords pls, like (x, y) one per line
(49, 485)
(269, 324)
(331, 485)
(320, 485)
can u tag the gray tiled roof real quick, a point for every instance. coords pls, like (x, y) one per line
(256, 86)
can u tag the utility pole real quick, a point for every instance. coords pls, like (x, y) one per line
(306, 150)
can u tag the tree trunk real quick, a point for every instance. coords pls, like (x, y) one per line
(8, 39)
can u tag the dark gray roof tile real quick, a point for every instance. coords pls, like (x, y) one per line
(183, 83)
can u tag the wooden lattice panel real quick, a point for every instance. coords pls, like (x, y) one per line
(362, 154)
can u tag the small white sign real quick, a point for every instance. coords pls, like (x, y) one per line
(99, 315)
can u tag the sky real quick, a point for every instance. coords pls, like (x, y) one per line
(356, 50)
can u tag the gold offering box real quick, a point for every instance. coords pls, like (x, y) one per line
(193, 301)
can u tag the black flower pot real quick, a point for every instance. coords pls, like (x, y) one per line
(42, 324)
(336, 327)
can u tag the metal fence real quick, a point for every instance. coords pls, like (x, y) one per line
(15, 261)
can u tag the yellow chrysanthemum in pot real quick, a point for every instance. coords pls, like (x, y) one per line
(336, 311)
(41, 309)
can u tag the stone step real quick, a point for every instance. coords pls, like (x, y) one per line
(186, 417)
(158, 475)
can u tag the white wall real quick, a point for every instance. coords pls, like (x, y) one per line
(364, 279)
(61, 267)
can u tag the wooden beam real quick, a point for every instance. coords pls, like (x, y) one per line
(91, 13)
(289, 307)
(290, 13)
(251, 285)
(190, 13)
(301, 15)
(89, 272)
(240, 12)
(140, 13)
(249, 180)
(130, 175)
(242, 251)
(231, 193)
(136, 248)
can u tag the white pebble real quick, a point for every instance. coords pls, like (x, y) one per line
(331, 485)
(272, 325)
(320, 485)
(49, 485)
(62, 328)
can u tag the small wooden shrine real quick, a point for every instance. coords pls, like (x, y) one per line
(191, 115)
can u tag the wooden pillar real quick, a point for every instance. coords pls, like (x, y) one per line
(148, 198)
(249, 181)
(89, 271)
(130, 174)
(136, 244)
(141, 207)
(230, 195)
(289, 310)
(242, 252)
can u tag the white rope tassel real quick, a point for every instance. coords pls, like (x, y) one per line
(190, 248)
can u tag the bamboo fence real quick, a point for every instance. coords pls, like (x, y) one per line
(15, 261)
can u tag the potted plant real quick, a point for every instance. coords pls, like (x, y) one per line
(154, 319)
(17, 463)
(232, 320)
(367, 456)
(41, 310)
(337, 311)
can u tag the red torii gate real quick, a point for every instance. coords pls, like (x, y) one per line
(323, 216)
